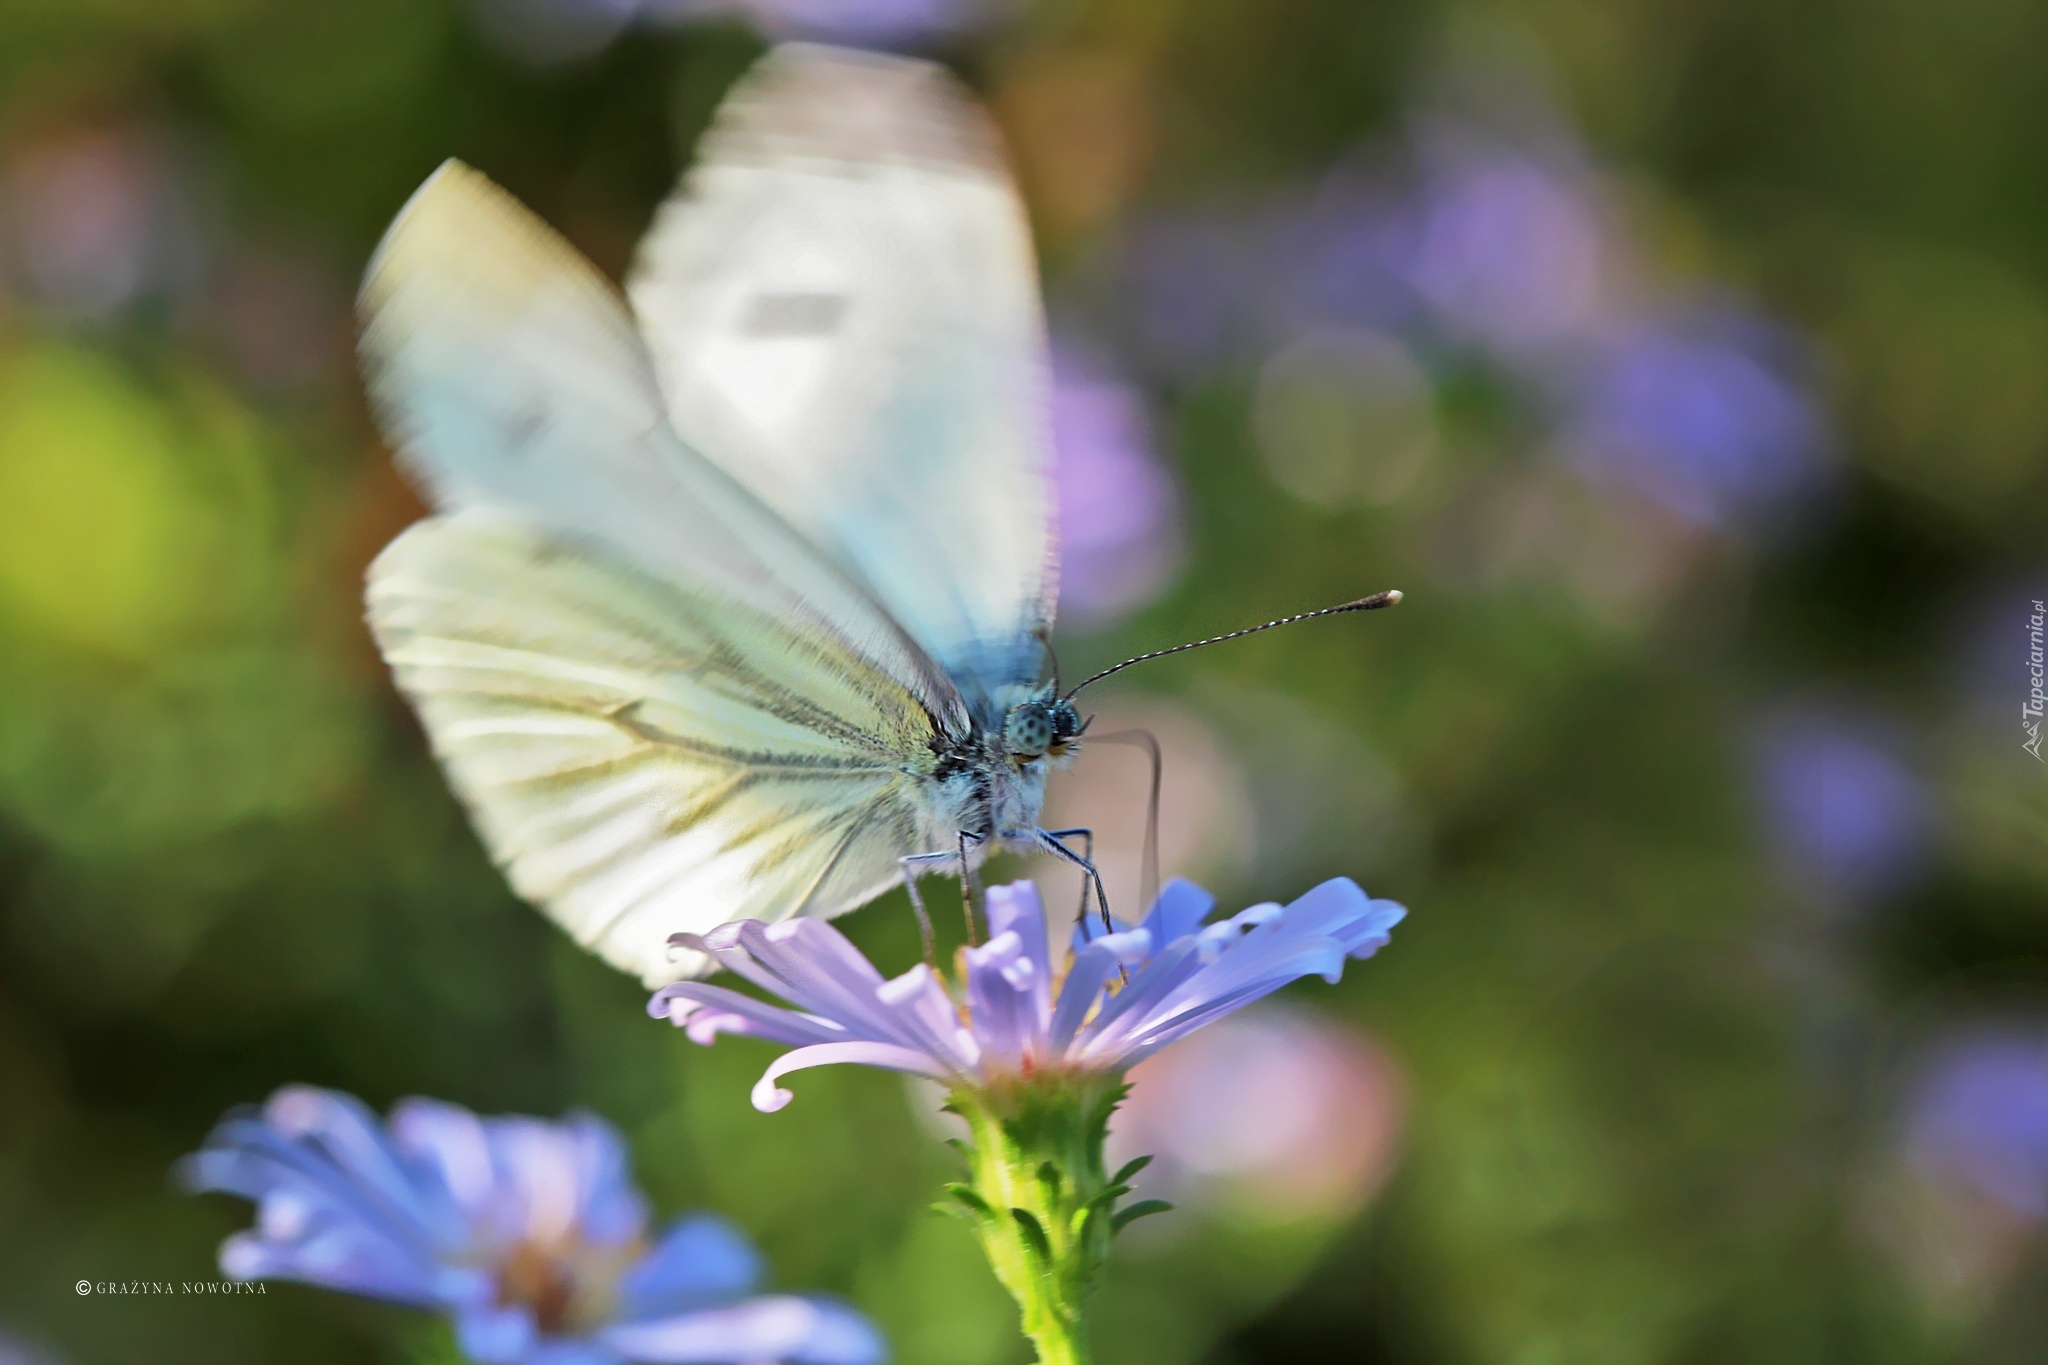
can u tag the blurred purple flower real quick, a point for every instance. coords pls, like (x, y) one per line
(1505, 252)
(99, 220)
(1978, 1115)
(1194, 280)
(1849, 814)
(1272, 1113)
(528, 1234)
(1119, 509)
(1698, 415)
(545, 31)
(16, 1350)
(1334, 259)
(1208, 288)
(1492, 249)
(858, 22)
(1121, 996)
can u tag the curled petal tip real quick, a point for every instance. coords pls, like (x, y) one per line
(769, 1098)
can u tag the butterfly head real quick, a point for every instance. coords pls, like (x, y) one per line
(1042, 724)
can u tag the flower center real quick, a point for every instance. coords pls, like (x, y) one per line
(568, 1286)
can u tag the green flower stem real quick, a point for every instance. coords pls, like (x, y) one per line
(1040, 1201)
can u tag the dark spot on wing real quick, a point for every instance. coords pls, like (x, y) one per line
(524, 427)
(774, 317)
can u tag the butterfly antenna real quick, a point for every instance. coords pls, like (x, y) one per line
(1372, 603)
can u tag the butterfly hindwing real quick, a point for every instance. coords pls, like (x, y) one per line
(642, 758)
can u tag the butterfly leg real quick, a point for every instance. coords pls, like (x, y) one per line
(911, 864)
(1087, 838)
(1050, 839)
(969, 893)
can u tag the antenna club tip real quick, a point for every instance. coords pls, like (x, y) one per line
(1393, 597)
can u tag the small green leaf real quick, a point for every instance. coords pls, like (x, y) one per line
(1143, 1208)
(1049, 1176)
(1130, 1168)
(1106, 1199)
(965, 1194)
(965, 1215)
(1034, 1235)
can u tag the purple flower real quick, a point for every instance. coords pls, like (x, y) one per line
(1978, 1116)
(548, 31)
(1849, 814)
(528, 1234)
(1193, 279)
(1119, 508)
(1273, 1115)
(94, 222)
(1018, 1014)
(1506, 252)
(866, 23)
(1696, 413)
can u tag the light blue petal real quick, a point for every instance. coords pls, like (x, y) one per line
(571, 1351)
(612, 1212)
(781, 1328)
(699, 1263)
(1180, 910)
(921, 1016)
(1086, 978)
(552, 1178)
(1003, 990)
(768, 1098)
(318, 1221)
(1016, 908)
(495, 1334)
(1374, 930)
(449, 1140)
(359, 1264)
(351, 1137)
(704, 1012)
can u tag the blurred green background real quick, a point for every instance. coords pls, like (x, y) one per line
(1686, 366)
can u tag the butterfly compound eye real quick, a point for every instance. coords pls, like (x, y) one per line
(1028, 730)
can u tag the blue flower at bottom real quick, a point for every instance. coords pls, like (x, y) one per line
(528, 1234)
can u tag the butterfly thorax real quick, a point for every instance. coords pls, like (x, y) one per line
(990, 785)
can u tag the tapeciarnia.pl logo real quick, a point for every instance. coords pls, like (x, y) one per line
(2037, 696)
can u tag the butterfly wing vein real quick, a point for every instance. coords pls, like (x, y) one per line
(642, 758)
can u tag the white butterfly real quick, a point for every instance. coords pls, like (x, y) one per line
(736, 599)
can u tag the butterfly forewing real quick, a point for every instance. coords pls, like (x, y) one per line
(510, 374)
(844, 312)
